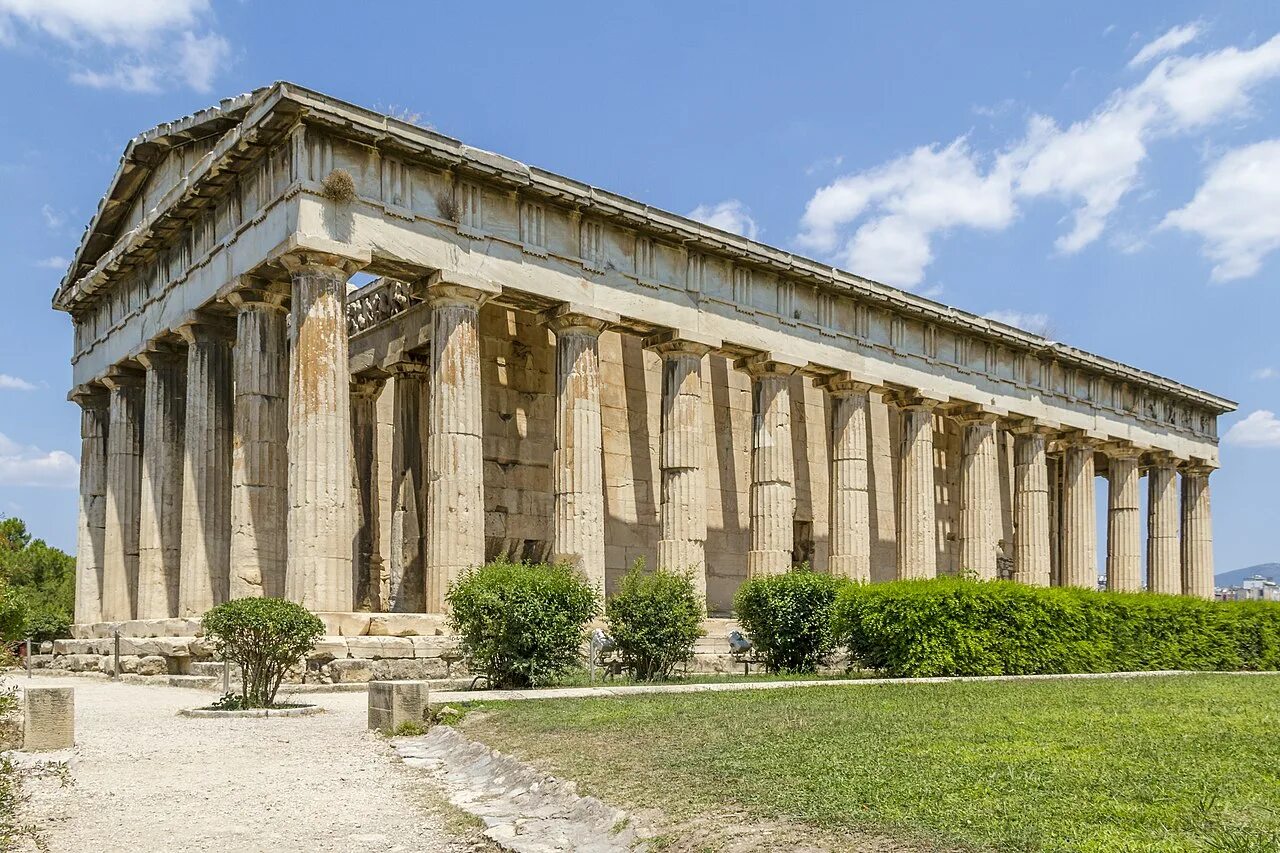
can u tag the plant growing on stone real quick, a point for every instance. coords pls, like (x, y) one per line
(655, 618)
(265, 637)
(522, 624)
(339, 186)
(788, 617)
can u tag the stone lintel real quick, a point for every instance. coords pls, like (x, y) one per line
(448, 287)
(771, 364)
(574, 316)
(123, 376)
(682, 342)
(303, 250)
(90, 395)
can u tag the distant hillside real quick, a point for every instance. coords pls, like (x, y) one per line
(1233, 578)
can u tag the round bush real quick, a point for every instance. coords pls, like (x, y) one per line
(654, 618)
(522, 624)
(788, 618)
(264, 636)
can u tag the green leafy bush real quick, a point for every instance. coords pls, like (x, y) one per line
(951, 626)
(788, 618)
(654, 618)
(47, 624)
(264, 636)
(522, 624)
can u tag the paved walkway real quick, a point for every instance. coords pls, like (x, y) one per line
(148, 780)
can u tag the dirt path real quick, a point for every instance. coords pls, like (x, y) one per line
(149, 780)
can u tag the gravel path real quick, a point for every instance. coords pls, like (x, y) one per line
(149, 780)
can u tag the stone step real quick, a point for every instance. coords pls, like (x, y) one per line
(194, 682)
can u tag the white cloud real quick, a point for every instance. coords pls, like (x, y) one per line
(1171, 41)
(14, 383)
(1089, 165)
(54, 262)
(27, 465)
(1259, 429)
(731, 215)
(1037, 324)
(1236, 211)
(1264, 373)
(135, 46)
(53, 218)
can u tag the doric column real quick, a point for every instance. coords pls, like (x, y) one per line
(916, 501)
(410, 403)
(91, 535)
(455, 440)
(1031, 541)
(160, 536)
(979, 495)
(1197, 532)
(364, 441)
(206, 473)
(683, 511)
(124, 487)
(1124, 535)
(577, 467)
(773, 489)
(850, 518)
(259, 460)
(318, 573)
(1164, 572)
(1079, 515)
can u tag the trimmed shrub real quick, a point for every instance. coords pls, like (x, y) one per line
(654, 618)
(522, 624)
(264, 636)
(47, 624)
(951, 626)
(788, 618)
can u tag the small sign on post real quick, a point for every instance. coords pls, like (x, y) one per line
(115, 666)
(28, 657)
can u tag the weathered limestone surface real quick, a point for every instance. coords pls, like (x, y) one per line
(364, 440)
(394, 702)
(917, 508)
(577, 466)
(979, 496)
(206, 474)
(1031, 543)
(1164, 574)
(92, 530)
(49, 718)
(850, 519)
(1124, 534)
(455, 535)
(318, 572)
(259, 460)
(773, 492)
(1079, 517)
(124, 487)
(407, 578)
(160, 535)
(1197, 532)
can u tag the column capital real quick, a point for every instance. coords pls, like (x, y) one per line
(261, 294)
(1019, 425)
(913, 398)
(367, 387)
(88, 396)
(676, 342)
(123, 376)
(299, 253)
(973, 413)
(771, 364)
(1078, 438)
(1158, 459)
(446, 287)
(161, 354)
(845, 384)
(575, 317)
(1197, 467)
(411, 364)
(203, 327)
(1121, 450)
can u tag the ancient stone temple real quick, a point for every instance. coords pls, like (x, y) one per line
(539, 369)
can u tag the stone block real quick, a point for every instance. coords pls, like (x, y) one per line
(328, 648)
(48, 718)
(404, 624)
(349, 671)
(380, 647)
(152, 665)
(394, 702)
(344, 624)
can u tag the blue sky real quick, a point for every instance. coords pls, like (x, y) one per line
(1107, 172)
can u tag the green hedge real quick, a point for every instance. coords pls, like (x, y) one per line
(655, 618)
(951, 626)
(789, 618)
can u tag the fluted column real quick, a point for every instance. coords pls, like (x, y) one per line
(1079, 515)
(1124, 534)
(91, 535)
(773, 489)
(318, 571)
(683, 512)
(206, 473)
(364, 440)
(410, 404)
(455, 440)
(259, 460)
(577, 467)
(850, 518)
(1031, 541)
(1197, 532)
(979, 495)
(124, 488)
(1164, 570)
(160, 536)
(916, 500)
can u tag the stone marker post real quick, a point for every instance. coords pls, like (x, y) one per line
(394, 702)
(48, 719)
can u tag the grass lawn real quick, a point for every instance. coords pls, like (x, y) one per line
(1149, 764)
